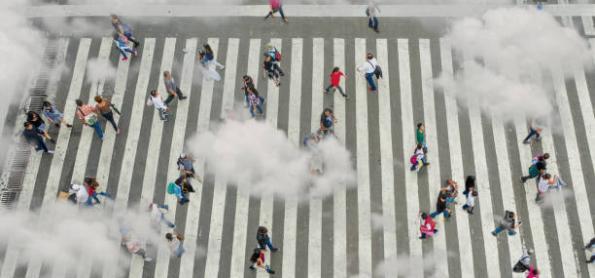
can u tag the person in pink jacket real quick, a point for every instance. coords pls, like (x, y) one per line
(276, 7)
(533, 272)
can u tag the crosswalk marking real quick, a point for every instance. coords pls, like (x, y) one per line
(150, 175)
(408, 147)
(63, 140)
(535, 216)
(220, 191)
(588, 25)
(362, 165)
(190, 233)
(12, 255)
(242, 201)
(561, 228)
(576, 169)
(339, 202)
(427, 86)
(386, 156)
(204, 118)
(454, 143)
(82, 156)
(315, 225)
(266, 199)
(289, 234)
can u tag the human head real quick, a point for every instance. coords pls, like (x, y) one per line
(154, 92)
(31, 114)
(166, 74)
(473, 193)
(79, 102)
(420, 126)
(115, 18)
(546, 176)
(424, 215)
(546, 156)
(169, 236)
(47, 103)
(369, 55)
(208, 47)
(98, 99)
(262, 230)
(419, 146)
(335, 69)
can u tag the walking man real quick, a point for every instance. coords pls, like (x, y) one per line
(534, 131)
(372, 12)
(370, 69)
(172, 88)
(87, 116)
(156, 100)
(537, 168)
(264, 240)
(34, 136)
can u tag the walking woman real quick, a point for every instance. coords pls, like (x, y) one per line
(174, 240)
(39, 124)
(53, 115)
(122, 43)
(124, 29)
(258, 260)
(208, 57)
(247, 86)
(104, 107)
(255, 103)
(271, 69)
(276, 7)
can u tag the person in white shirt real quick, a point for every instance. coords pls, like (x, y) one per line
(80, 192)
(470, 203)
(372, 12)
(369, 70)
(156, 100)
(543, 186)
(158, 216)
(174, 240)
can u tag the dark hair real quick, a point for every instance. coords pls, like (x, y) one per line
(419, 125)
(47, 103)
(419, 146)
(208, 48)
(262, 230)
(424, 215)
(470, 181)
(369, 55)
(474, 193)
(153, 92)
(546, 176)
(26, 124)
(79, 102)
(545, 156)
(335, 69)
(255, 255)
(169, 236)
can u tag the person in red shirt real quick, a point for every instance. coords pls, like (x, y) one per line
(428, 227)
(335, 80)
(276, 6)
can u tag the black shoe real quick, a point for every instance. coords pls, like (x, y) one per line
(494, 234)
(523, 180)
(252, 268)
(183, 98)
(526, 142)
(274, 249)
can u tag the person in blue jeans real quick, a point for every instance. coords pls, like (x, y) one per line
(264, 240)
(87, 115)
(34, 136)
(441, 206)
(508, 223)
(369, 69)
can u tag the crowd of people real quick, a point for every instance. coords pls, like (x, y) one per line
(87, 194)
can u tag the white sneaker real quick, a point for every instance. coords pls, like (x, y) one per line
(51, 152)
(148, 259)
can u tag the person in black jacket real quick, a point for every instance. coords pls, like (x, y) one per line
(35, 136)
(264, 240)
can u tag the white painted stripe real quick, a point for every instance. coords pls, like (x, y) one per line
(344, 10)
(485, 193)
(456, 160)
(363, 166)
(290, 221)
(266, 200)
(204, 118)
(339, 201)
(408, 148)
(58, 157)
(386, 155)
(427, 88)
(82, 156)
(506, 183)
(12, 254)
(315, 219)
(243, 199)
(220, 191)
(133, 134)
(152, 161)
(588, 25)
(535, 216)
(576, 171)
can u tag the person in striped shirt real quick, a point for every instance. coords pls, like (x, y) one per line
(88, 116)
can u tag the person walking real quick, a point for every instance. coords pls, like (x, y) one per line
(470, 202)
(34, 136)
(441, 206)
(420, 137)
(258, 260)
(276, 57)
(255, 103)
(247, 86)
(121, 43)
(469, 185)
(335, 79)
(272, 70)
(133, 245)
(124, 29)
(157, 213)
(208, 57)
(104, 107)
(371, 69)
(156, 100)
(276, 6)
(91, 185)
(534, 131)
(172, 88)
(427, 227)
(185, 164)
(176, 190)
(53, 115)
(524, 262)
(264, 240)
(533, 272)
(418, 159)
(327, 122)
(536, 169)
(39, 124)
(174, 241)
(508, 223)
(372, 12)
(87, 116)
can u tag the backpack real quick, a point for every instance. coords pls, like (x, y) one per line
(277, 55)
(171, 188)
(413, 159)
(377, 70)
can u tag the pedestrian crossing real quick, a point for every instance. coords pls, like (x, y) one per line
(333, 236)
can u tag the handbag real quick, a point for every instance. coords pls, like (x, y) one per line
(377, 70)
(90, 119)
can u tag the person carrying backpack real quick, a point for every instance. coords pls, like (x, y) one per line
(371, 69)
(327, 122)
(264, 240)
(258, 260)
